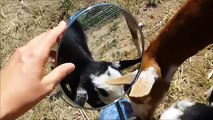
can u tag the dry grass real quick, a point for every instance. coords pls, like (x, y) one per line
(21, 20)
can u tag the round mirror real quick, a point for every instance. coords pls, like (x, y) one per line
(104, 42)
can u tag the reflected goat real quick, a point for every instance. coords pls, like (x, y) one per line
(88, 82)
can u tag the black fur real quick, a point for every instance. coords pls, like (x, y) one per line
(185, 110)
(210, 97)
(198, 111)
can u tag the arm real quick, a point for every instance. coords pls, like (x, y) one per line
(22, 82)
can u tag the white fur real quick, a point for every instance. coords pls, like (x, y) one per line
(81, 91)
(114, 91)
(150, 74)
(116, 64)
(176, 110)
(171, 114)
(141, 110)
(141, 25)
(68, 87)
(209, 93)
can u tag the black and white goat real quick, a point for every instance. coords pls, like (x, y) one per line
(186, 110)
(88, 82)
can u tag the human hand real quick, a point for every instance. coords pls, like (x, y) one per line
(23, 83)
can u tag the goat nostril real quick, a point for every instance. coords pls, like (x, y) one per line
(108, 73)
(141, 25)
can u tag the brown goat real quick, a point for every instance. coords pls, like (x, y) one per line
(189, 31)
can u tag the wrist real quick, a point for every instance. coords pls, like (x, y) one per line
(5, 112)
(9, 107)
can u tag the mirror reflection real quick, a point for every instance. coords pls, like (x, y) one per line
(104, 43)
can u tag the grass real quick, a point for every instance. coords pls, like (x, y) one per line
(21, 20)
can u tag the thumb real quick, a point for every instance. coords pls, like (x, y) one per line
(57, 74)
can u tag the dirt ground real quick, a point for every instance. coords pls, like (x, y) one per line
(21, 20)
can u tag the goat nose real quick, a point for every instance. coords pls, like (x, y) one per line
(81, 97)
(141, 25)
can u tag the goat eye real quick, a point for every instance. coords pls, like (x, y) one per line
(108, 73)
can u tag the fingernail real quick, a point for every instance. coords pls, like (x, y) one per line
(70, 66)
(61, 23)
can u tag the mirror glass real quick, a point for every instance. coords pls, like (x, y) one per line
(104, 42)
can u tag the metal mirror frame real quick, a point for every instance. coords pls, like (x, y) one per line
(70, 22)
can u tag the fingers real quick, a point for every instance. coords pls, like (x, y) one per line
(49, 38)
(56, 75)
(53, 35)
(42, 44)
(35, 41)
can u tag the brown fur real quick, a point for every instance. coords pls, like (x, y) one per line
(189, 31)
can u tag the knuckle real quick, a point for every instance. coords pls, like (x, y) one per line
(19, 53)
(50, 87)
(36, 53)
(25, 54)
(47, 85)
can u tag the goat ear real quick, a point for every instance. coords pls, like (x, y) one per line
(142, 87)
(126, 79)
